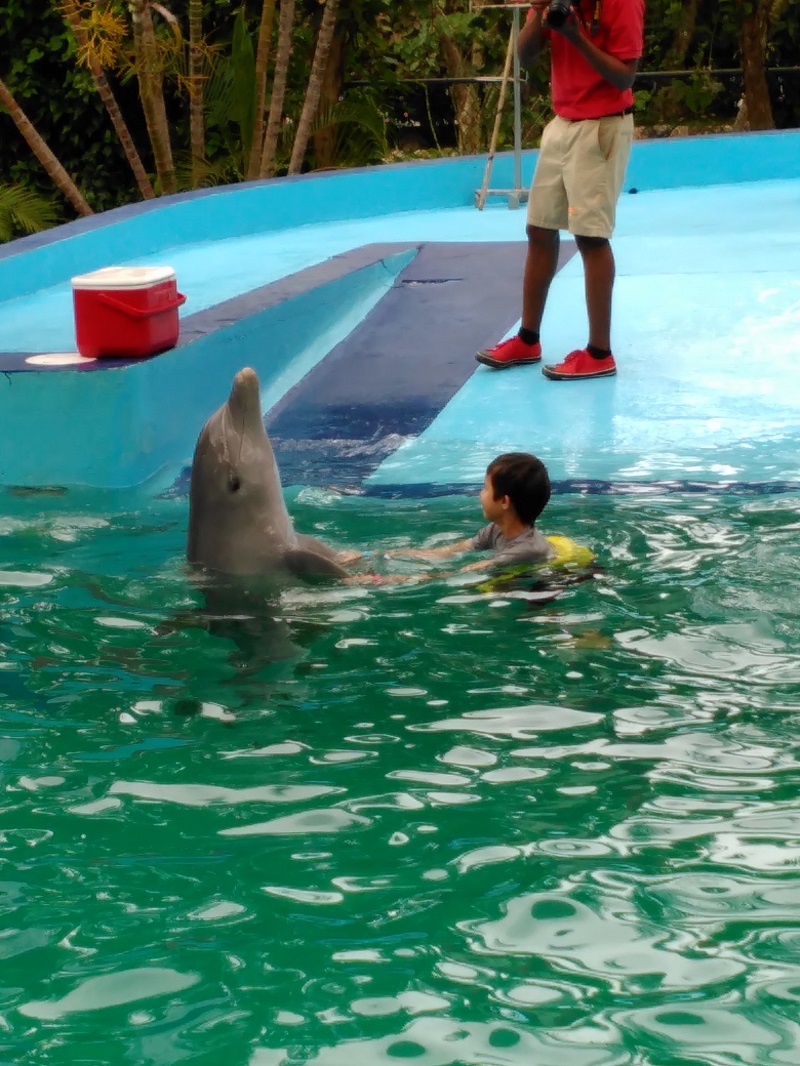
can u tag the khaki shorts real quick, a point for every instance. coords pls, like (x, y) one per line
(579, 174)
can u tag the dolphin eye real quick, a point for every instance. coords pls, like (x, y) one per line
(234, 482)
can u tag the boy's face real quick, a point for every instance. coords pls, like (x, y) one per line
(492, 508)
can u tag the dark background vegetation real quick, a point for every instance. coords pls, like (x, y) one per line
(391, 61)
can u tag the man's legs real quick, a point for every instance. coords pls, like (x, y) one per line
(541, 262)
(547, 213)
(595, 360)
(540, 269)
(598, 272)
(594, 172)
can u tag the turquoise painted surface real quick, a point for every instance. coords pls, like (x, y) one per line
(135, 426)
(39, 262)
(706, 334)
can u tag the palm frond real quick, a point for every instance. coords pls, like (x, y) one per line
(25, 211)
(359, 130)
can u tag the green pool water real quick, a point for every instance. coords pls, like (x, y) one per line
(442, 827)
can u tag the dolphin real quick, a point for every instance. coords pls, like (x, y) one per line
(238, 523)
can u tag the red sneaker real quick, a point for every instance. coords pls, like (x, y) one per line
(581, 364)
(513, 352)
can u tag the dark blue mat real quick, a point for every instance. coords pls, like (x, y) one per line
(395, 372)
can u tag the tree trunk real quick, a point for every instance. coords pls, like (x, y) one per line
(63, 182)
(324, 141)
(757, 28)
(281, 73)
(151, 92)
(197, 131)
(465, 97)
(70, 9)
(684, 34)
(262, 65)
(756, 90)
(314, 87)
(666, 105)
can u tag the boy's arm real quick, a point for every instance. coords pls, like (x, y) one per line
(483, 564)
(457, 548)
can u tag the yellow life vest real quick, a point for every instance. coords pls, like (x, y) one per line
(568, 554)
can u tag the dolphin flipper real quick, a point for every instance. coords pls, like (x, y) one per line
(305, 562)
(318, 547)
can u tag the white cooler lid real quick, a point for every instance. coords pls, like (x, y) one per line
(114, 277)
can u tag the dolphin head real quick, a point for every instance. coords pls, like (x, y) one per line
(238, 522)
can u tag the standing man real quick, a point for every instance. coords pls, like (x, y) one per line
(595, 47)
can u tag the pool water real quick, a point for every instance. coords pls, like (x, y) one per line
(413, 821)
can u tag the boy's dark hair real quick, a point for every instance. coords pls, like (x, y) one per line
(524, 479)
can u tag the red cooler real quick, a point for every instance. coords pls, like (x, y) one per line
(126, 312)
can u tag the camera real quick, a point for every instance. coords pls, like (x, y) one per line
(558, 13)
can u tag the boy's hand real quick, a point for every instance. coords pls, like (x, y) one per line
(346, 558)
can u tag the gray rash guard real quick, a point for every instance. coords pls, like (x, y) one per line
(528, 547)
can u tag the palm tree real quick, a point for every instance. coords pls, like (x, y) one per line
(668, 101)
(279, 79)
(757, 25)
(63, 182)
(24, 211)
(262, 63)
(71, 13)
(196, 119)
(151, 88)
(465, 97)
(314, 87)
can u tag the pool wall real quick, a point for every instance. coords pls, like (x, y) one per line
(37, 262)
(124, 424)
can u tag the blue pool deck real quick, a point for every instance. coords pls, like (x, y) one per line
(360, 297)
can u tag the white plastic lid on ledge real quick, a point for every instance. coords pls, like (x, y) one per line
(120, 277)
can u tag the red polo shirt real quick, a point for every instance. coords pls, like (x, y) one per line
(578, 90)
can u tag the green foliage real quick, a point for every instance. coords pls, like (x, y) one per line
(697, 93)
(24, 211)
(229, 100)
(359, 129)
(370, 98)
(58, 97)
(243, 61)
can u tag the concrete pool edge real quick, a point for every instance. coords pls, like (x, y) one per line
(33, 263)
(125, 424)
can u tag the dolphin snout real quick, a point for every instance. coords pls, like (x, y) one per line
(246, 376)
(245, 398)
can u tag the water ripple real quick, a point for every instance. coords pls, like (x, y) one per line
(561, 833)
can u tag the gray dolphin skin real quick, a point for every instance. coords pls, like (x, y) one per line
(238, 522)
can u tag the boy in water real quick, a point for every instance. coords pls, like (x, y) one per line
(515, 492)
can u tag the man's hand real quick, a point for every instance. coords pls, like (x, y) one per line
(620, 73)
(529, 42)
(570, 27)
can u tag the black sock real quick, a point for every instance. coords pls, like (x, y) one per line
(598, 353)
(528, 336)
